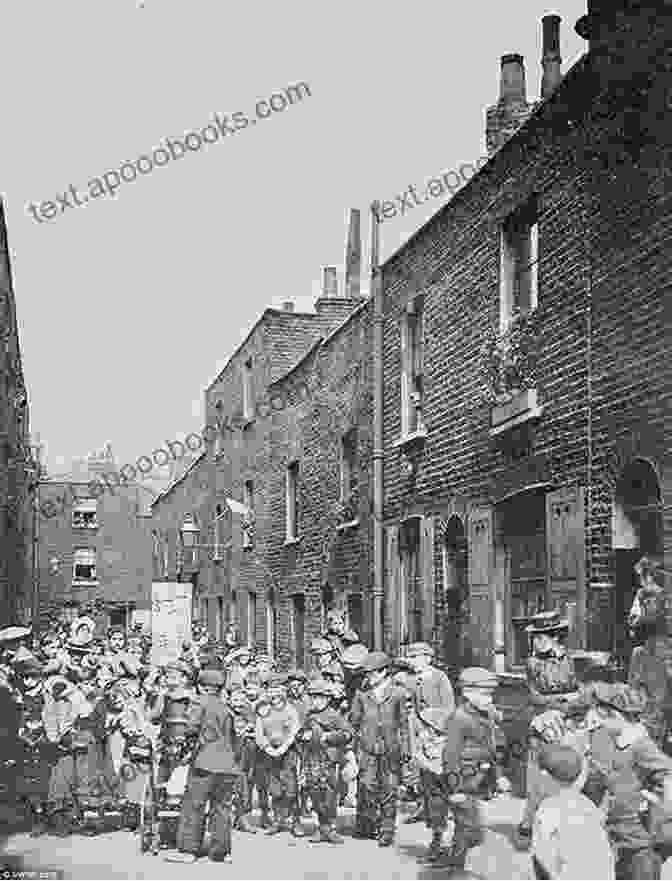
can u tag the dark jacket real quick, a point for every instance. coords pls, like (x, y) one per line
(338, 735)
(216, 750)
(627, 767)
(382, 725)
(470, 742)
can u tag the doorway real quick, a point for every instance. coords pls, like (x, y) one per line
(457, 650)
(637, 529)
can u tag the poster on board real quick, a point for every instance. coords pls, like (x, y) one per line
(171, 620)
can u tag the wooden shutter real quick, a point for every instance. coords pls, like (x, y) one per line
(393, 569)
(427, 558)
(481, 573)
(565, 546)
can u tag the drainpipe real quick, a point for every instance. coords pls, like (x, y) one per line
(378, 529)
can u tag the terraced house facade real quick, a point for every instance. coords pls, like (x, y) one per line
(292, 409)
(526, 365)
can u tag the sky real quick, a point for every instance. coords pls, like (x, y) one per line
(128, 307)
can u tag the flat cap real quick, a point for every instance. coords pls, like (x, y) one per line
(376, 661)
(562, 762)
(478, 677)
(320, 686)
(419, 648)
(9, 634)
(620, 696)
(180, 666)
(353, 657)
(211, 677)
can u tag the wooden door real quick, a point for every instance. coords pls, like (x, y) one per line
(565, 543)
(393, 588)
(481, 565)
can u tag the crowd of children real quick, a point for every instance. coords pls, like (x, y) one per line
(95, 734)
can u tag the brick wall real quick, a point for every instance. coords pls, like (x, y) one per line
(604, 270)
(122, 543)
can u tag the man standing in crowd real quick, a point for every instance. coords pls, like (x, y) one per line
(213, 773)
(380, 721)
(430, 690)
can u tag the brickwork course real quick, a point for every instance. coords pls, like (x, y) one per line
(16, 458)
(511, 500)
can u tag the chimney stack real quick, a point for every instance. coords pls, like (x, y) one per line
(550, 60)
(288, 306)
(353, 256)
(330, 282)
(505, 117)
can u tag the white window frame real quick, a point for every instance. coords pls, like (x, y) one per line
(412, 346)
(248, 397)
(270, 628)
(248, 501)
(78, 560)
(348, 462)
(509, 265)
(292, 501)
(85, 507)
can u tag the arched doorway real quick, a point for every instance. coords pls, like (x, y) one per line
(456, 643)
(637, 529)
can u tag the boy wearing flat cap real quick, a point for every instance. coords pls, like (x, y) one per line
(625, 760)
(379, 716)
(213, 774)
(430, 689)
(324, 737)
(469, 754)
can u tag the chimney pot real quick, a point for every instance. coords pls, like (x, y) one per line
(512, 83)
(330, 282)
(353, 256)
(288, 306)
(551, 61)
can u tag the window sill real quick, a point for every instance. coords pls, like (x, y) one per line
(520, 408)
(75, 583)
(351, 524)
(413, 438)
(292, 541)
(93, 526)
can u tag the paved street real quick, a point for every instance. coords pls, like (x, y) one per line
(117, 855)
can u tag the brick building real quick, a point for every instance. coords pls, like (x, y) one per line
(293, 405)
(526, 383)
(17, 465)
(95, 546)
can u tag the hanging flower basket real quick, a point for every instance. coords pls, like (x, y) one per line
(510, 359)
